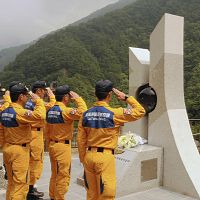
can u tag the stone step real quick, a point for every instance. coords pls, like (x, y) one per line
(156, 194)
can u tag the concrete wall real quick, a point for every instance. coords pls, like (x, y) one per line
(168, 125)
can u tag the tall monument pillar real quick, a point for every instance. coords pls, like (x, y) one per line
(139, 60)
(168, 124)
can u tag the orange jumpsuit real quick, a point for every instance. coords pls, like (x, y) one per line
(98, 133)
(7, 102)
(17, 136)
(37, 143)
(59, 134)
(5, 105)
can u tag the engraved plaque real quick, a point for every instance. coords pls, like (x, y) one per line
(148, 170)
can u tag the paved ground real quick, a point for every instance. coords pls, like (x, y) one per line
(77, 192)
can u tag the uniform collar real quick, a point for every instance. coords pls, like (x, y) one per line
(16, 105)
(101, 103)
(58, 103)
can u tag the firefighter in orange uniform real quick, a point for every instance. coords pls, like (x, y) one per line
(1, 131)
(5, 101)
(59, 132)
(1, 127)
(16, 123)
(2, 91)
(37, 142)
(98, 133)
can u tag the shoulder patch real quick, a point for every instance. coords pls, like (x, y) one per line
(127, 111)
(73, 111)
(28, 113)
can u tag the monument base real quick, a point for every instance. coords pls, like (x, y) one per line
(137, 169)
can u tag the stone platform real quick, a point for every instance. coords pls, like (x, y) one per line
(78, 192)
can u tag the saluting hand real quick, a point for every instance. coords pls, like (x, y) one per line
(50, 93)
(120, 95)
(73, 95)
(34, 96)
(7, 93)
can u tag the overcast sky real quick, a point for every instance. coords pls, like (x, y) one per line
(22, 21)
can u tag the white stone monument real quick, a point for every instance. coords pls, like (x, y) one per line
(168, 125)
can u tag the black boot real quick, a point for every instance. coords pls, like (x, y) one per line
(41, 194)
(33, 194)
(5, 174)
(33, 197)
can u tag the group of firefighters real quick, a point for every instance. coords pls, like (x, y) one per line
(24, 120)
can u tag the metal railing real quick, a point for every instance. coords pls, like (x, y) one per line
(74, 142)
(195, 127)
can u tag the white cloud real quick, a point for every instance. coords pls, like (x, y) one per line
(22, 21)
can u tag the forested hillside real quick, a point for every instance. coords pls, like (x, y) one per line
(81, 55)
(8, 55)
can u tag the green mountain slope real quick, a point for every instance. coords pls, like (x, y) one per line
(81, 55)
(8, 55)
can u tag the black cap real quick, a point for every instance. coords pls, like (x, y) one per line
(39, 84)
(62, 90)
(18, 89)
(13, 83)
(104, 86)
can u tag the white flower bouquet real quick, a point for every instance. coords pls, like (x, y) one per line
(130, 140)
